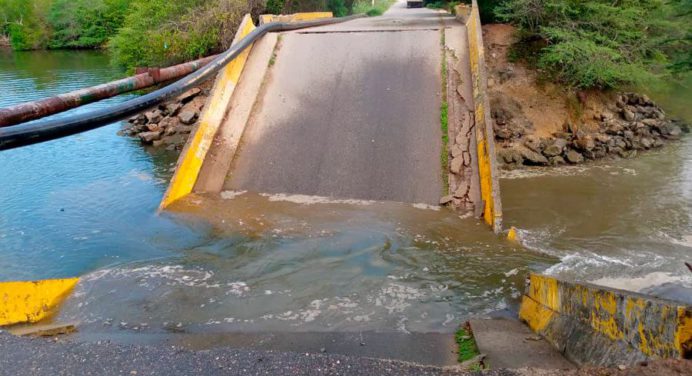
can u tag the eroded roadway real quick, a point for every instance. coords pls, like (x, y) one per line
(350, 110)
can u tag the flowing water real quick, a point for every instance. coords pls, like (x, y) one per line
(86, 206)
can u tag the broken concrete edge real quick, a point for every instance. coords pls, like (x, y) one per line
(295, 17)
(490, 187)
(596, 325)
(32, 301)
(196, 148)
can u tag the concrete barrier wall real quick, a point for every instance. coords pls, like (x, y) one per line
(32, 301)
(195, 151)
(485, 136)
(295, 17)
(595, 325)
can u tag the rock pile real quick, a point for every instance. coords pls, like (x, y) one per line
(169, 124)
(634, 123)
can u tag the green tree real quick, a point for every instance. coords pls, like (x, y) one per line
(600, 43)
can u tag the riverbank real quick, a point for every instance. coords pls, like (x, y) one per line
(539, 123)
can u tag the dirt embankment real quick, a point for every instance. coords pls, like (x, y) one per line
(540, 123)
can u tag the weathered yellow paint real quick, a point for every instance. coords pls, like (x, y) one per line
(683, 335)
(307, 16)
(536, 315)
(512, 235)
(545, 291)
(492, 214)
(192, 158)
(295, 17)
(32, 301)
(653, 327)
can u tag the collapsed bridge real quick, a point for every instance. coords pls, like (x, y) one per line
(389, 108)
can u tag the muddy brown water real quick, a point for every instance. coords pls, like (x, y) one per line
(86, 206)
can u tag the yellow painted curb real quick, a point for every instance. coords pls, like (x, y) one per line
(192, 158)
(485, 138)
(603, 326)
(32, 301)
(296, 17)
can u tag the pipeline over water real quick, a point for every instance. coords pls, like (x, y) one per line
(28, 111)
(28, 134)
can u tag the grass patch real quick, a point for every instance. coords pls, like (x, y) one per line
(370, 8)
(467, 346)
(444, 118)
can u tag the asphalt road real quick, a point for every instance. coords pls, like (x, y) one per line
(23, 356)
(350, 111)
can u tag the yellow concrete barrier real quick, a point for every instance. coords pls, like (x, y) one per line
(595, 325)
(296, 17)
(29, 302)
(485, 136)
(192, 157)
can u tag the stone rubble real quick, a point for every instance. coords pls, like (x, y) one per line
(169, 124)
(632, 124)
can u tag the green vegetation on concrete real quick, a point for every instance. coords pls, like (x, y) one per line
(467, 345)
(603, 43)
(444, 118)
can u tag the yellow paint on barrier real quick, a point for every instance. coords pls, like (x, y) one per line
(295, 17)
(545, 291)
(683, 335)
(193, 156)
(536, 315)
(307, 16)
(653, 327)
(492, 214)
(32, 301)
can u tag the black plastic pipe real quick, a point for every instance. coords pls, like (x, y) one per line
(51, 129)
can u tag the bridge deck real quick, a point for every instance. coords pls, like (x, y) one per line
(350, 110)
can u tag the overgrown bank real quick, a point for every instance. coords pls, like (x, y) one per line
(147, 32)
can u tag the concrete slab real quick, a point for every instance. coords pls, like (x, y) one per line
(227, 138)
(511, 344)
(349, 115)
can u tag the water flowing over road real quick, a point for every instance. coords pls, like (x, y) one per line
(86, 206)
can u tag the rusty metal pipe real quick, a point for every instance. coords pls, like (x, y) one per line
(27, 111)
(51, 129)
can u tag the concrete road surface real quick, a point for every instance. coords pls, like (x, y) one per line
(350, 111)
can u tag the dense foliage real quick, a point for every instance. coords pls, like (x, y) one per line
(144, 32)
(603, 43)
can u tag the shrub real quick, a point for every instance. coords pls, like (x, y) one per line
(159, 32)
(600, 43)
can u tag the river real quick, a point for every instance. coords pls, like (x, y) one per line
(87, 206)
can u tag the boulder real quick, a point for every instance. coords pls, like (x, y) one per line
(176, 139)
(188, 117)
(153, 116)
(188, 95)
(557, 160)
(173, 108)
(149, 137)
(533, 143)
(510, 156)
(533, 158)
(555, 147)
(585, 143)
(574, 157)
(627, 115)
